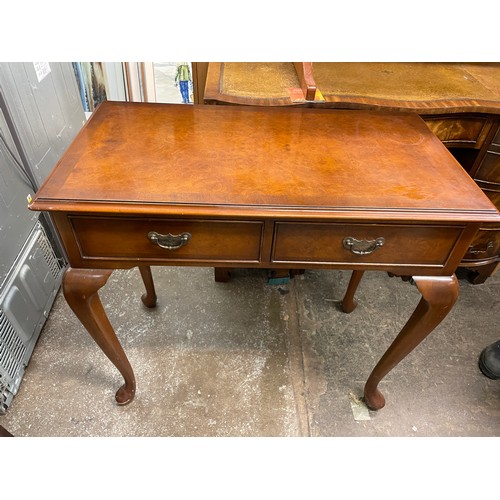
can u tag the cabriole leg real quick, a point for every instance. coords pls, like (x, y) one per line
(439, 294)
(80, 287)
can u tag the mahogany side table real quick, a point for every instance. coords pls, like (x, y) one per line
(224, 186)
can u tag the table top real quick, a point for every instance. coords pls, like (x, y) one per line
(414, 81)
(427, 88)
(234, 161)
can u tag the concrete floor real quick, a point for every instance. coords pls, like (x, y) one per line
(246, 358)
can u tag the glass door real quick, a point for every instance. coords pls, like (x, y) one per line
(173, 82)
(165, 82)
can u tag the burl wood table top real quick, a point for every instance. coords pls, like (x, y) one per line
(164, 158)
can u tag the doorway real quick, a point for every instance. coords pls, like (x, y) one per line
(173, 82)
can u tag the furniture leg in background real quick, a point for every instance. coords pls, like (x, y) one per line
(149, 298)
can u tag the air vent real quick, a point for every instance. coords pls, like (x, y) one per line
(12, 353)
(12, 349)
(54, 264)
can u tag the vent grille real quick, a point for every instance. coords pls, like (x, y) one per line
(12, 349)
(55, 265)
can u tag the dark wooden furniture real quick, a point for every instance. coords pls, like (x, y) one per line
(460, 103)
(283, 188)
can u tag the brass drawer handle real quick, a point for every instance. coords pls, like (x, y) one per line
(169, 241)
(478, 249)
(362, 247)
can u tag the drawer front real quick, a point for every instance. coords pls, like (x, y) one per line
(489, 170)
(127, 239)
(486, 245)
(362, 244)
(458, 130)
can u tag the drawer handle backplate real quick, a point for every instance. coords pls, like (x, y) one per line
(362, 247)
(169, 241)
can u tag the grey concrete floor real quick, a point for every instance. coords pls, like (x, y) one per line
(246, 358)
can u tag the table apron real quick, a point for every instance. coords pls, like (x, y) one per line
(114, 241)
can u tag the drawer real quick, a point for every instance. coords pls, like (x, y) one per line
(458, 130)
(486, 245)
(127, 239)
(489, 170)
(401, 244)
